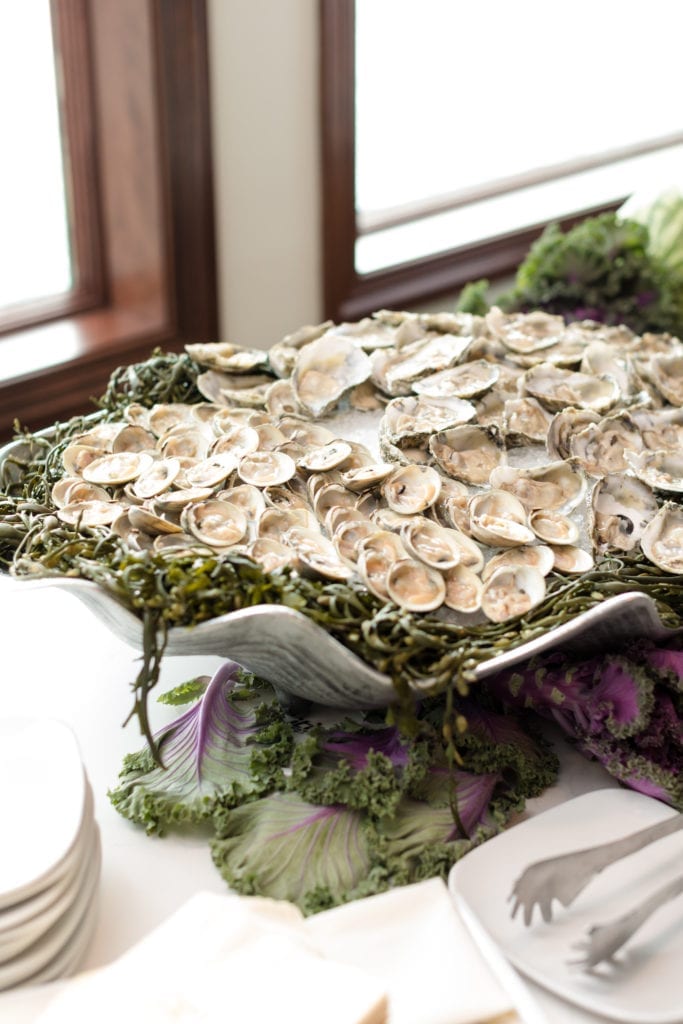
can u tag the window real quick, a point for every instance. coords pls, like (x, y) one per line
(452, 133)
(134, 104)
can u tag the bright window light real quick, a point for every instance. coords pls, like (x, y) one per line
(35, 258)
(451, 97)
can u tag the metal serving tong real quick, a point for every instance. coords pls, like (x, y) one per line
(562, 878)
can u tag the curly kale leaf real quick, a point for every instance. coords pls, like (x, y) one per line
(225, 749)
(601, 269)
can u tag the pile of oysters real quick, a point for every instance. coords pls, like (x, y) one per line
(443, 461)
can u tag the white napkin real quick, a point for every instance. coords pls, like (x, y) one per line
(251, 959)
(413, 940)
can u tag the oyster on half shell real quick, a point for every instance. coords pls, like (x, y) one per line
(468, 453)
(621, 508)
(325, 370)
(662, 540)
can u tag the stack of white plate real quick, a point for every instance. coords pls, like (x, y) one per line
(50, 853)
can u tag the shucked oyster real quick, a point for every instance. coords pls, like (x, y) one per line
(555, 486)
(512, 591)
(556, 388)
(621, 508)
(662, 540)
(325, 370)
(468, 453)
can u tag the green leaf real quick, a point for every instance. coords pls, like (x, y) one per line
(210, 757)
(186, 692)
(286, 848)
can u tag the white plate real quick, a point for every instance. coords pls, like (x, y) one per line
(53, 884)
(645, 987)
(15, 940)
(43, 798)
(56, 943)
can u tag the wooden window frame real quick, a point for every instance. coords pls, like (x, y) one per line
(349, 295)
(144, 128)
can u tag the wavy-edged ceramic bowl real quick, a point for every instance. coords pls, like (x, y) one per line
(303, 661)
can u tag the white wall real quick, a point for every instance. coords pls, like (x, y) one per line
(264, 84)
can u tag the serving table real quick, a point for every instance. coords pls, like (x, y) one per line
(60, 661)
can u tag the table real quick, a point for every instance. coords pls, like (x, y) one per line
(59, 661)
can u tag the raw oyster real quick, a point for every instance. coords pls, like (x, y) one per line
(467, 380)
(513, 591)
(662, 469)
(602, 447)
(468, 453)
(414, 418)
(464, 590)
(555, 486)
(325, 370)
(525, 421)
(563, 426)
(662, 540)
(415, 586)
(411, 489)
(621, 508)
(556, 388)
(524, 332)
(498, 518)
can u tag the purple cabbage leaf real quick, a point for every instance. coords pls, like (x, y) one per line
(226, 748)
(286, 848)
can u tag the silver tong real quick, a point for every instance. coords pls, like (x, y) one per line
(562, 878)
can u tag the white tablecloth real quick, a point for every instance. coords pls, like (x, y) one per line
(59, 661)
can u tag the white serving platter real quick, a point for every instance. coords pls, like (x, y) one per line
(644, 985)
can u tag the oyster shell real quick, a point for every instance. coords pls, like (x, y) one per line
(266, 469)
(157, 478)
(556, 388)
(325, 370)
(112, 470)
(226, 357)
(662, 470)
(498, 518)
(512, 591)
(601, 447)
(467, 380)
(662, 540)
(553, 527)
(570, 559)
(464, 590)
(556, 486)
(666, 373)
(218, 524)
(270, 554)
(563, 426)
(415, 586)
(524, 332)
(316, 556)
(538, 556)
(525, 421)
(468, 453)
(621, 508)
(328, 456)
(411, 489)
(430, 543)
(415, 418)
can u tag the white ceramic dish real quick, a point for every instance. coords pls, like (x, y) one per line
(43, 793)
(304, 661)
(23, 934)
(57, 940)
(644, 987)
